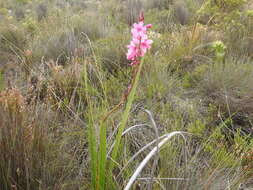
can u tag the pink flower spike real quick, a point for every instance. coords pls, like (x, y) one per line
(139, 43)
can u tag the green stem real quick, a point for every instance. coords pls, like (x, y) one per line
(125, 116)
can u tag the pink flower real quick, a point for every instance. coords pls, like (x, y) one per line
(140, 42)
(139, 29)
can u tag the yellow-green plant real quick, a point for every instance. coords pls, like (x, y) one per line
(219, 50)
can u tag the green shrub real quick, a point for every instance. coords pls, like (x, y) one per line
(111, 52)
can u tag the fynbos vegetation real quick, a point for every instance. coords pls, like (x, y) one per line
(135, 94)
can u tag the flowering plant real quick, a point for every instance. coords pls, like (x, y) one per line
(136, 51)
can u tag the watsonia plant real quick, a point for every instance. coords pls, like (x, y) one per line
(136, 51)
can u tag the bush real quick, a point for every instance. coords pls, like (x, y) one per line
(229, 86)
(12, 42)
(182, 13)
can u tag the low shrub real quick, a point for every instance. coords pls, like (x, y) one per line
(228, 86)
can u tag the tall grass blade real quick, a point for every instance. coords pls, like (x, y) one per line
(91, 132)
(102, 157)
(125, 116)
(93, 153)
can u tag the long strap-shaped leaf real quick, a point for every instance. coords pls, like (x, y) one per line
(126, 113)
(149, 156)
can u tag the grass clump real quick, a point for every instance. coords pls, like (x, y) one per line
(23, 145)
(111, 53)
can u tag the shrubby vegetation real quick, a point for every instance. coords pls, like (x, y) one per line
(63, 73)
